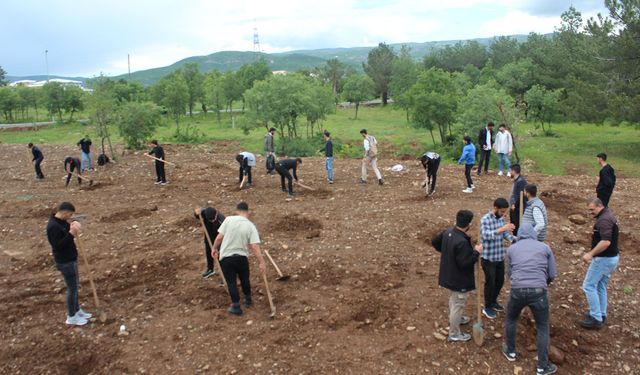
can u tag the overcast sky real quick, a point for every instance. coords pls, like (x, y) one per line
(89, 37)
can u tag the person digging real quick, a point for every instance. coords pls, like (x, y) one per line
(213, 219)
(283, 167)
(72, 164)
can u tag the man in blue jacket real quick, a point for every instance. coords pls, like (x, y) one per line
(469, 158)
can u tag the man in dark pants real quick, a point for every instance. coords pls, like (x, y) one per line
(283, 167)
(158, 152)
(457, 271)
(485, 144)
(493, 232)
(246, 160)
(607, 180)
(37, 159)
(61, 235)
(85, 147)
(514, 198)
(212, 222)
(431, 162)
(269, 147)
(237, 236)
(72, 164)
(531, 267)
(468, 157)
(328, 152)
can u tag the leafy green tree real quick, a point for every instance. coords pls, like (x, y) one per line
(137, 121)
(9, 101)
(503, 50)
(30, 99)
(456, 57)
(517, 77)
(54, 97)
(172, 92)
(233, 89)
(433, 102)
(543, 105)
(321, 103)
(358, 88)
(404, 75)
(73, 100)
(214, 92)
(334, 72)
(194, 80)
(103, 106)
(3, 75)
(379, 67)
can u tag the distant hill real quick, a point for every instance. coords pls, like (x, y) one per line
(289, 61)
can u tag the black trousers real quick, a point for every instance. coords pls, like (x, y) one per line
(245, 171)
(71, 169)
(467, 174)
(233, 267)
(207, 255)
(485, 155)
(38, 169)
(284, 173)
(432, 174)
(514, 218)
(604, 196)
(160, 172)
(493, 281)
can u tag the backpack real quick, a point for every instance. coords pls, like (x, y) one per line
(103, 159)
(373, 146)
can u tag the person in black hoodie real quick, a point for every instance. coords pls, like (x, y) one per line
(485, 143)
(71, 164)
(61, 236)
(457, 270)
(212, 221)
(283, 167)
(607, 180)
(519, 183)
(158, 152)
(37, 159)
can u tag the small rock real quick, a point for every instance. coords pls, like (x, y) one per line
(577, 219)
(439, 336)
(556, 355)
(497, 335)
(249, 322)
(517, 370)
(626, 368)
(411, 328)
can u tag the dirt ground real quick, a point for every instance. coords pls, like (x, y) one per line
(363, 297)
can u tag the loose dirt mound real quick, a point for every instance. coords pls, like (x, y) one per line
(125, 215)
(297, 225)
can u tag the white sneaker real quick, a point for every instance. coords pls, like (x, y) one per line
(83, 314)
(473, 186)
(76, 320)
(467, 190)
(508, 174)
(500, 173)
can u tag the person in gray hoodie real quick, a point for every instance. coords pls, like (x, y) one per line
(531, 267)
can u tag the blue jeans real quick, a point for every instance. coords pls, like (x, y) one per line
(538, 302)
(595, 284)
(507, 162)
(70, 274)
(328, 164)
(86, 159)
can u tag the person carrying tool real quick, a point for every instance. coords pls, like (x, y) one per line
(158, 152)
(246, 160)
(85, 147)
(493, 232)
(531, 267)
(430, 162)
(457, 271)
(72, 164)
(61, 234)
(37, 160)
(535, 212)
(283, 167)
(212, 222)
(370, 145)
(469, 158)
(269, 150)
(236, 237)
(603, 258)
(606, 181)
(514, 199)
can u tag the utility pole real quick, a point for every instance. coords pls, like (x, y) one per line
(256, 42)
(46, 62)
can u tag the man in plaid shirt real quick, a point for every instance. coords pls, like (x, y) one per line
(493, 232)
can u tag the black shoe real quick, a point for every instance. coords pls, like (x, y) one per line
(284, 190)
(208, 273)
(248, 302)
(291, 193)
(497, 307)
(235, 309)
(363, 181)
(550, 369)
(380, 182)
(590, 323)
(248, 184)
(510, 356)
(604, 318)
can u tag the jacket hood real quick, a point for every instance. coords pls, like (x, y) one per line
(527, 232)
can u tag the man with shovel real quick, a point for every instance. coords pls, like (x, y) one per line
(283, 167)
(247, 161)
(236, 237)
(212, 222)
(158, 152)
(457, 270)
(37, 160)
(61, 236)
(531, 267)
(72, 164)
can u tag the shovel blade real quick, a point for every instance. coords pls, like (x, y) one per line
(283, 278)
(478, 333)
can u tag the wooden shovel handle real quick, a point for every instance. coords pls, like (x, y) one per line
(266, 286)
(154, 158)
(215, 259)
(89, 271)
(273, 262)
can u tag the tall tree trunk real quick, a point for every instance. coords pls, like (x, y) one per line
(357, 106)
(432, 137)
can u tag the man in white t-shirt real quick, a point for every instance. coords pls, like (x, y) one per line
(236, 237)
(503, 146)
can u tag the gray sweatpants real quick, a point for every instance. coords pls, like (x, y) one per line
(457, 301)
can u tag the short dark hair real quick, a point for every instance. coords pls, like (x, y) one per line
(363, 131)
(298, 161)
(30, 145)
(515, 168)
(597, 202)
(242, 206)
(531, 189)
(239, 158)
(467, 139)
(66, 206)
(272, 130)
(602, 156)
(490, 124)
(154, 142)
(501, 203)
(327, 133)
(464, 218)
(210, 213)
(502, 126)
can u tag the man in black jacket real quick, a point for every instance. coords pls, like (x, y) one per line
(85, 147)
(212, 222)
(37, 159)
(72, 164)
(61, 235)
(485, 143)
(514, 198)
(431, 162)
(158, 152)
(456, 270)
(283, 167)
(607, 180)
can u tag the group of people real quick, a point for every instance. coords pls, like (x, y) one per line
(71, 163)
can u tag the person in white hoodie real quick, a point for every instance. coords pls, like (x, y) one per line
(503, 146)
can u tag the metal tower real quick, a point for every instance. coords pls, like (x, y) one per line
(256, 41)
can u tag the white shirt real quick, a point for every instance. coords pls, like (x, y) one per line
(366, 142)
(504, 143)
(488, 139)
(251, 157)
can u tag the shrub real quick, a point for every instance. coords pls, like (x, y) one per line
(137, 122)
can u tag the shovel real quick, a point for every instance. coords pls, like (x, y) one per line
(82, 178)
(281, 277)
(164, 161)
(266, 286)
(101, 314)
(215, 259)
(305, 186)
(478, 330)
(244, 180)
